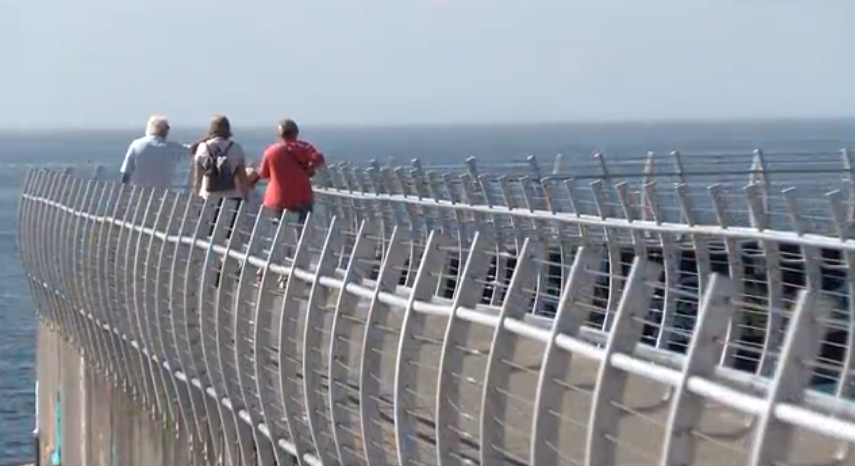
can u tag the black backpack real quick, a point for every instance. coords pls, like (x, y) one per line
(217, 169)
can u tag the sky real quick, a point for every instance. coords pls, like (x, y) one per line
(111, 63)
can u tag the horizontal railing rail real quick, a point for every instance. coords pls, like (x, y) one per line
(408, 328)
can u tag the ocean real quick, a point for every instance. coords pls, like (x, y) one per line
(436, 145)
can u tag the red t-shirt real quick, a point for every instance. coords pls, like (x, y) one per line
(284, 164)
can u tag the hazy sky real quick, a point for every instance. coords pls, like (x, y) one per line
(113, 62)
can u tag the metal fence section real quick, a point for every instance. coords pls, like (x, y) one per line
(434, 324)
(582, 185)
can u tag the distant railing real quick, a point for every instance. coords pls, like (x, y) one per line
(405, 326)
(593, 186)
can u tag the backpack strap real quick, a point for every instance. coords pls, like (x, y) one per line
(308, 170)
(289, 148)
(225, 151)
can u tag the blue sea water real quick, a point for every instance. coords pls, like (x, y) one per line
(432, 145)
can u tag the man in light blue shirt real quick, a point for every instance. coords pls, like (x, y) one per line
(152, 160)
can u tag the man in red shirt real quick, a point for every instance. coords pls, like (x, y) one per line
(289, 165)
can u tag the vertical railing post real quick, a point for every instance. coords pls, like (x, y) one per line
(760, 177)
(681, 173)
(371, 360)
(536, 177)
(790, 380)
(600, 160)
(422, 191)
(845, 386)
(470, 288)
(615, 254)
(705, 350)
(571, 315)
(605, 412)
(343, 425)
(839, 215)
(648, 196)
(849, 166)
(405, 373)
(770, 262)
(411, 219)
(736, 267)
(498, 373)
(671, 247)
(318, 418)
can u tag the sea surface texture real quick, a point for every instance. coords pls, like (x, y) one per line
(432, 145)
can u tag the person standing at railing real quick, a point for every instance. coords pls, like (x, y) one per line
(289, 166)
(152, 159)
(220, 167)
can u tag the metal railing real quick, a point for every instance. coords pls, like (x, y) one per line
(403, 326)
(583, 185)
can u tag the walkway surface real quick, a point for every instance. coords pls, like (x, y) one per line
(402, 328)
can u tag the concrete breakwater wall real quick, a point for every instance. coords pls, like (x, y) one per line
(85, 420)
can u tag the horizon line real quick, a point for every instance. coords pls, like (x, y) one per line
(461, 124)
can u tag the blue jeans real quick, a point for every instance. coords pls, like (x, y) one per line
(304, 212)
(233, 216)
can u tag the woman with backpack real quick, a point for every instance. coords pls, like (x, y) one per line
(220, 168)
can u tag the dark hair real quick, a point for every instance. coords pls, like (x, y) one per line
(288, 128)
(220, 127)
